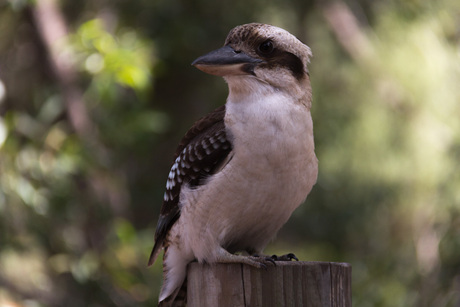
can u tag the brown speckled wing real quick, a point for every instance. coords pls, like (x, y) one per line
(199, 154)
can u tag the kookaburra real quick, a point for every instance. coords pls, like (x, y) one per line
(240, 172)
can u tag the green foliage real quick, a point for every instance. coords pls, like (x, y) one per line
(124, 59)
(78, 209)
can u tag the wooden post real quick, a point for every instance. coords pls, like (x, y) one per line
(286, 284)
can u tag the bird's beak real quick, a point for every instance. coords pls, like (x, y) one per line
(226, 61)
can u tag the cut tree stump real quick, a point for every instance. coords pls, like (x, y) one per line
(286, 284)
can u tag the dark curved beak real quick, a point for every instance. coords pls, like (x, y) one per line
(226, 61)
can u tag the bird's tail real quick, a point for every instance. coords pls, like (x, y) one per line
(174, 290)
(180, 299)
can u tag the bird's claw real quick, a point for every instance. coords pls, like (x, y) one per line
(264, 260)
(270, 260)
(287, 257)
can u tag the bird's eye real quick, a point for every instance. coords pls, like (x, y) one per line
(266, 47)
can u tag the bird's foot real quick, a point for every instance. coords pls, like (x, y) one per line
(260, 262)
(264, 259)
(287, 257)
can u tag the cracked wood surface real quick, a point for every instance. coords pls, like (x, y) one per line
(286, 284)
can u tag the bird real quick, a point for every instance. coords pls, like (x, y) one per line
(240, 172)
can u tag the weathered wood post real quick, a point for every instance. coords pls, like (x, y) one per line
(311, 284)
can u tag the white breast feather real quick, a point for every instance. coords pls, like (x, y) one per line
(271, 173)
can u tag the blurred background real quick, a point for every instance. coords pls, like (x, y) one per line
(95, 95)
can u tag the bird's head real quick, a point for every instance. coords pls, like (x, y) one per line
(260, 56)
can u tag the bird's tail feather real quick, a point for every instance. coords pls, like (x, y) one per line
(176, 299)
(173, 290)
